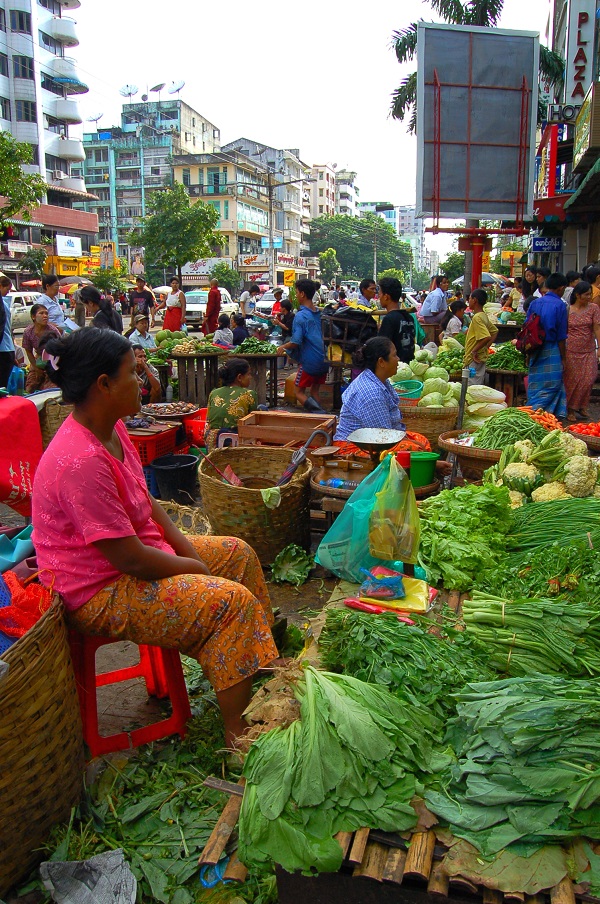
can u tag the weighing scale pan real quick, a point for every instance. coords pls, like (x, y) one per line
(375, 440)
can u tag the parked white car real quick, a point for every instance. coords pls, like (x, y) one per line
(267, 300)
(21, 304)
(195, 306)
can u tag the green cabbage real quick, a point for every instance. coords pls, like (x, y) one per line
(423, 355)
(292, 564)
(438, 372)
(456, 388)
(450, 344)
(418, 368)
(450, 402)
(433, 400)
(484, 394)
(403, 373)
(434, 385)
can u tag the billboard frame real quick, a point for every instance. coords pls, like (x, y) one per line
(523, 205)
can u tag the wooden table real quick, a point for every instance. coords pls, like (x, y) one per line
(264, 386)
(198, 376)
(506, 381)
(507, 332)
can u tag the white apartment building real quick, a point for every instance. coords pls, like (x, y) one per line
(346, 193)
(323, 190)
(434, 263)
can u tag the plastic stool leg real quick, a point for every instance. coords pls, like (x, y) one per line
(160, 685)
(176, 723)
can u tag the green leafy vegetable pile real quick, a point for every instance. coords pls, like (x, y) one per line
(507, 427)
(560, 521)
(529, 636)
(410, 662)
(506, 357)
(292, 564)
(463, 534)
(528, 770)
(252, 346)
(350, 761)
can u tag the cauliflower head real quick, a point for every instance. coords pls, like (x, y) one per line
(571, 445)
(521, 477)
(579, 474)
(596, 492)
(516, 499)
(550, 491)
(524, 447)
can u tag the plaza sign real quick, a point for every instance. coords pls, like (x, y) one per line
(580, 49)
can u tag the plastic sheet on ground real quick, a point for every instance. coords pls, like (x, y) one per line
(105, 879)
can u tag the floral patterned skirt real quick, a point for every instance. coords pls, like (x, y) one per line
(222, 620)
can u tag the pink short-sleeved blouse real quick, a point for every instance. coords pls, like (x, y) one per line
(81, 494)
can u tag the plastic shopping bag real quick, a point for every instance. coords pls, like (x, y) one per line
(344, 549)
(394, 529)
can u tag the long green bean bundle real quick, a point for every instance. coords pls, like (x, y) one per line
(535, 636)
(506, 427)
(559, 521)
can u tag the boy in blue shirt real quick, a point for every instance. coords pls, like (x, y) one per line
(307, 348)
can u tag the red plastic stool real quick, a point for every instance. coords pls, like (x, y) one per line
(163, 675)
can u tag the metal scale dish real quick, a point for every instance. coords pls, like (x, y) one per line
(375, 440)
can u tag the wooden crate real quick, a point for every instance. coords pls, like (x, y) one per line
(280, 428)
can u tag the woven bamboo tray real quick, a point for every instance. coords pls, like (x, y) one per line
(473, 462)
(431, 422)
(241, 512)
(51, 417)
(592, 442)
(41, 744)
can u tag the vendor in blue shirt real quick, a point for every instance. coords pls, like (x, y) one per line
(50, 290)
(307, 347)
(435, 305)
(371, 400)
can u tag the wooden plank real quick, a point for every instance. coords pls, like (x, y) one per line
(518, 897)
(344, 839)
(438, 880)
(359, 844)
(236, 871)
(394, 866)
(563, 893)
(220, 835)
(373, 862)
(419, 858)
(462, 884)
(491, 896)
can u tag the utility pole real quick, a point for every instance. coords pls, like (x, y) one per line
(375, 255)
(270, 188)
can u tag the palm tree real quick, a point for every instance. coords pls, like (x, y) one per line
(454, 12)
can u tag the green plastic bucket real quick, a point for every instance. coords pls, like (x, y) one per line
(409, 390)
(422, 468)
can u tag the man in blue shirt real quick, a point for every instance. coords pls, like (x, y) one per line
(307, 347)
(366, 293)
(7, 346)
(51, 288)
(436, 304)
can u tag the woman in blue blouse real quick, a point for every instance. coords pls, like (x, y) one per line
(371, 400)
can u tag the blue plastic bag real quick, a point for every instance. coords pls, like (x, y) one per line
(344, 549)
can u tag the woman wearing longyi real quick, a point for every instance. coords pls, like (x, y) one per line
(121, 566)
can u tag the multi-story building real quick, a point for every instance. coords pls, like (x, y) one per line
(288, 177)
(123, 165)
(238, 188)
(323, 190)
(39, 82)
(434, 263)
(346, 193)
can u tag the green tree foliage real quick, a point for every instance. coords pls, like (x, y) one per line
(421, 279)
(111, 279)
(477, 13)
(395, 273)
(353, 241)
(33, 262)
(229, 279)
(21, 191)
(329, 265)
(175, 231)
(454, 265)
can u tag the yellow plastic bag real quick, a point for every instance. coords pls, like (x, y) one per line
(394, 528)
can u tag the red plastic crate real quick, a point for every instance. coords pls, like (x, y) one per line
(151, 447)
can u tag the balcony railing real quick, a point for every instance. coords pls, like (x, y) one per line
(202, 191)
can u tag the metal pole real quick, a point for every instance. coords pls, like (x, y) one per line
(271, 248)
(375, 255)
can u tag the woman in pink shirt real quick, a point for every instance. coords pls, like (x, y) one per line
(121, 566)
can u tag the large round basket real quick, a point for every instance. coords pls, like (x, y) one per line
(41, 744)
(241, 511)
(52, 415)
(429, 421)
(473, 462)
(592, 442)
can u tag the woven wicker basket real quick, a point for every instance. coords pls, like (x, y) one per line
(473, 462)
(429, 421)
(592, 442)
(241, 512)
(41, 744)
(51, 417)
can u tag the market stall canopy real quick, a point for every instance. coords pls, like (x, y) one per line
(587, 196)
(487, 279)
(75, 280)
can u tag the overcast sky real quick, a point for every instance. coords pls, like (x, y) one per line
(315, 74)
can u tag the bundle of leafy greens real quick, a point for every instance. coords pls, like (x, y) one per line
(535, 636)
(410, 662)
(566, 571)
(528, 771)
(463, 534)
(352, 760)
(559, 521)
(292, 564)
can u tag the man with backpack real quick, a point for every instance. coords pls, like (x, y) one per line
(397, 325)
(480, 335)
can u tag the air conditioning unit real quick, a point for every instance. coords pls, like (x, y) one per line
(58, 174)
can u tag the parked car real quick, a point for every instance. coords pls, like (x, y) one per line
(265, 305)
(195, 306)
(21, 304)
